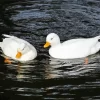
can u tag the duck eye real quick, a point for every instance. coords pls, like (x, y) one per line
(24, 48)
(51, 38)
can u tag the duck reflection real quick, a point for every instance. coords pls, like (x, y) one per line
(71, 68)
(23, 71)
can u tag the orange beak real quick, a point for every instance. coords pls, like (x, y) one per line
(18, 55)
(47, 44)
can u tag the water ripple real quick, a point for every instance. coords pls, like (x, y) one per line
(45, 77)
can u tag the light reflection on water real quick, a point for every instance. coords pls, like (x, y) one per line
(55, 68)
(40, 79)
(69, 68)
(46, 77)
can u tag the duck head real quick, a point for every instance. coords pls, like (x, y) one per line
(20, 50)
(52, 39)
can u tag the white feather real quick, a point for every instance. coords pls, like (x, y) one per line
(74, 48)
(11, 44)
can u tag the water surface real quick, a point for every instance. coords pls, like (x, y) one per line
(45, 77)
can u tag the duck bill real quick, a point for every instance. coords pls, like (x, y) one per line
(47, 44)
(18, 55)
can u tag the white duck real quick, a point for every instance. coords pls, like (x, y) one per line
(74, 48)
(18, 49)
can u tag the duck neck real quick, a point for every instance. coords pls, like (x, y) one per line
(55, 44)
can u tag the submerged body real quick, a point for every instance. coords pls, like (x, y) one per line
(12, 44)
(74, 48)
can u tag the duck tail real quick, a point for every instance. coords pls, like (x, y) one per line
(0, 44)
(8, 36)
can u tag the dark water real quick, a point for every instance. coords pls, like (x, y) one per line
(47, 78)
